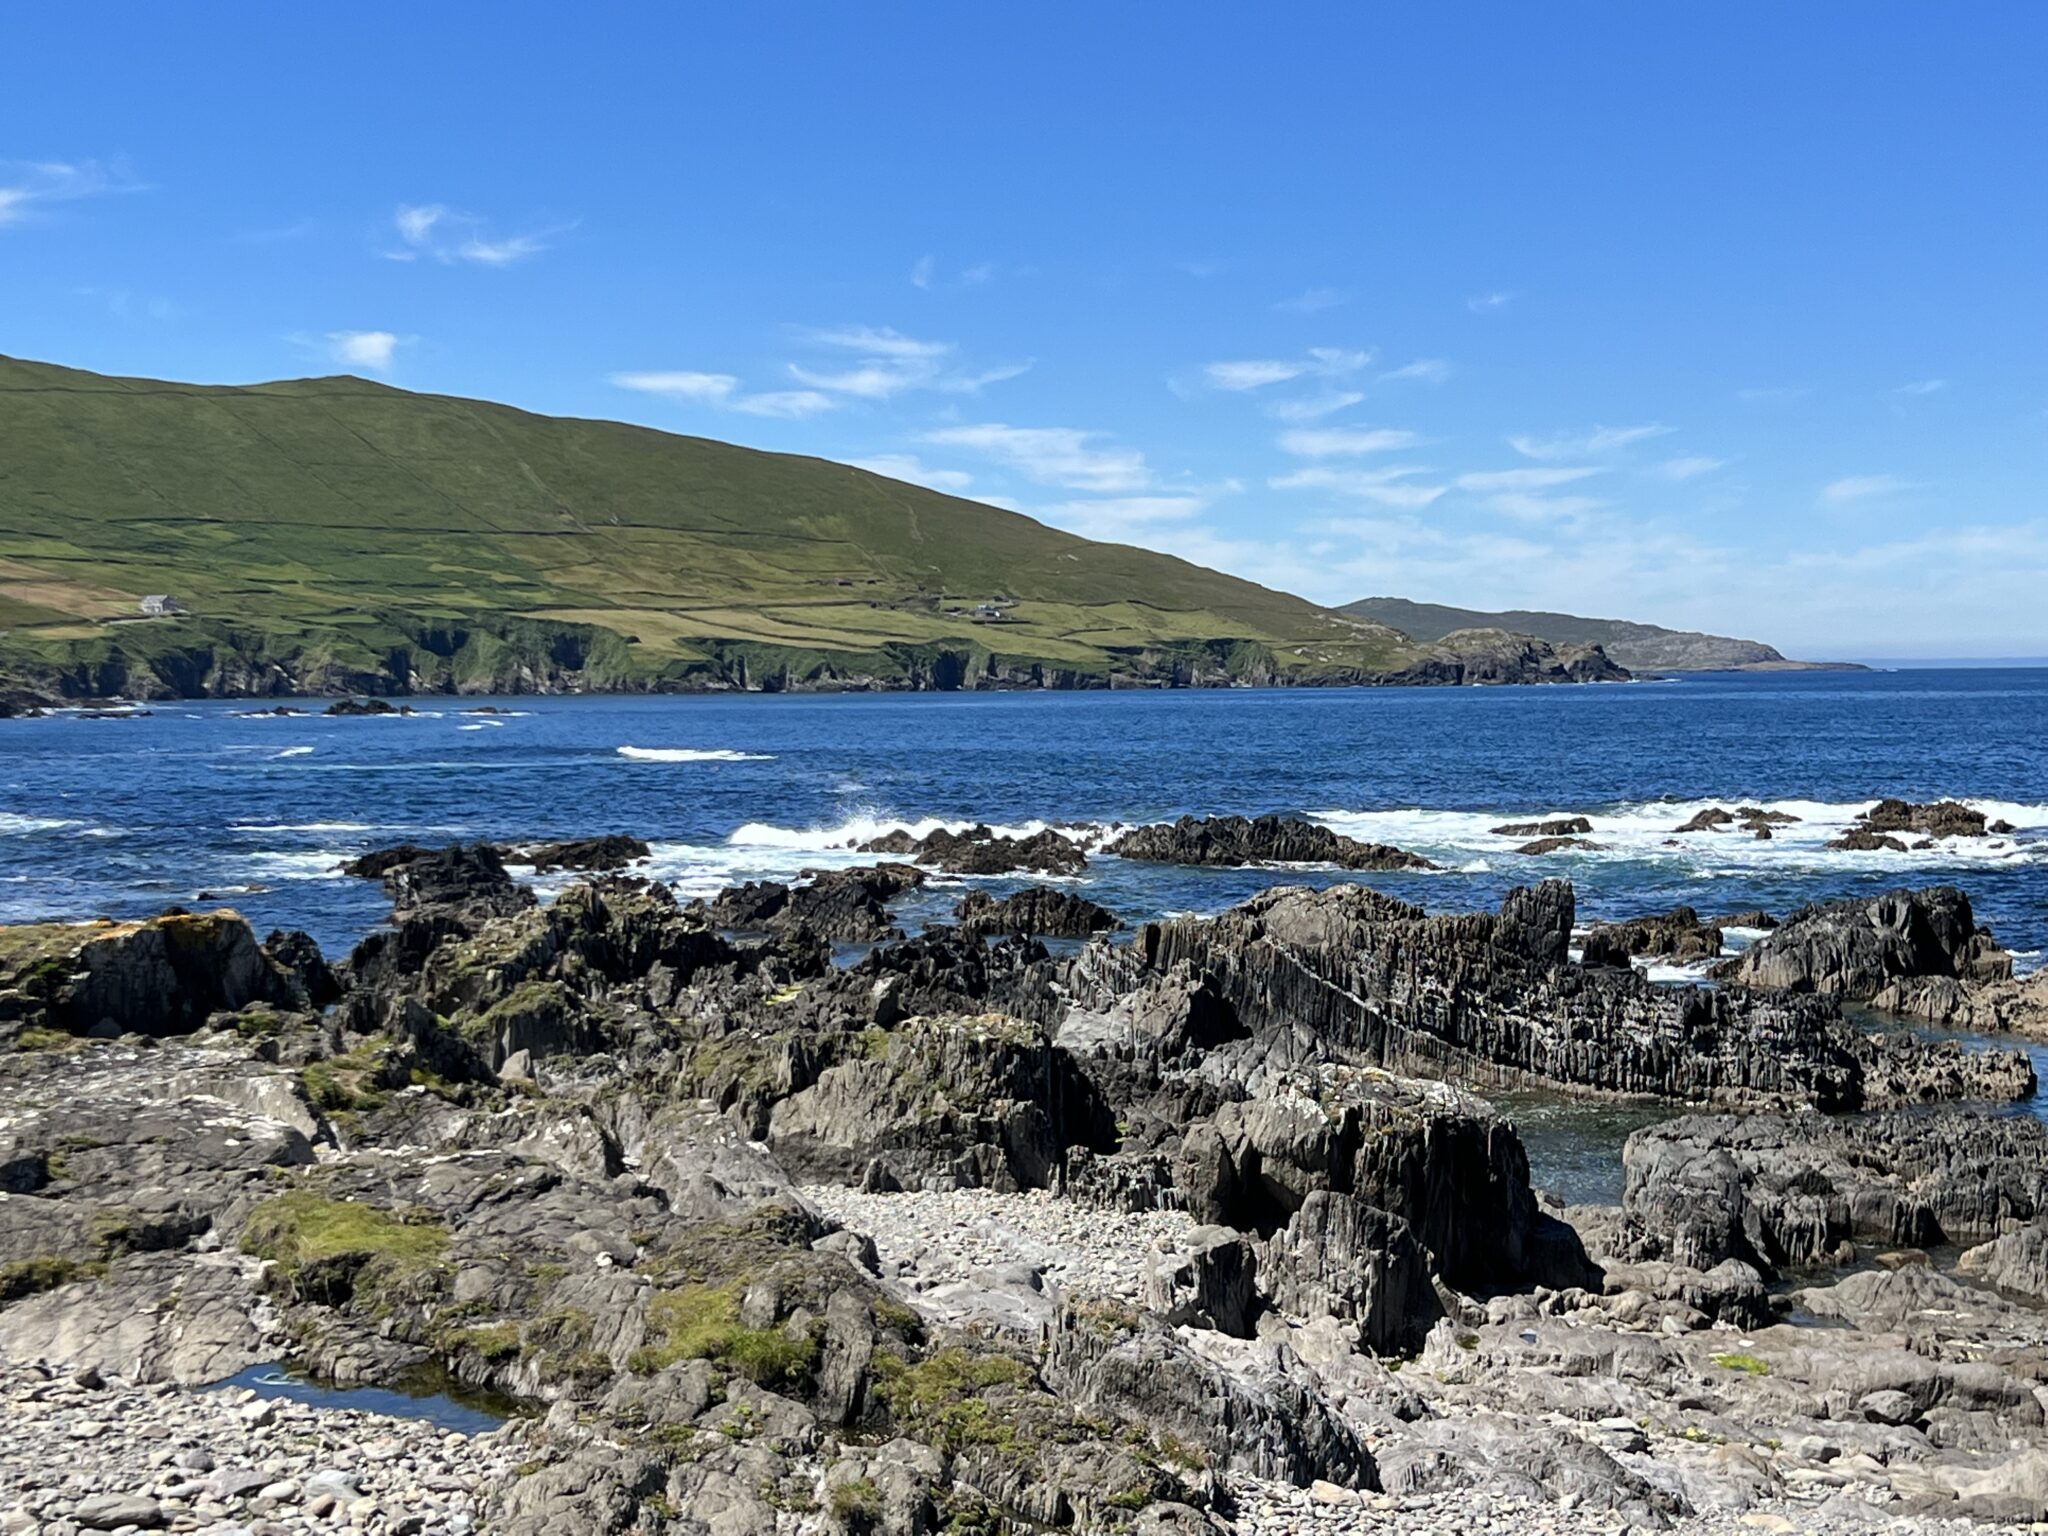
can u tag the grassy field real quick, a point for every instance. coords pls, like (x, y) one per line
(325, 526)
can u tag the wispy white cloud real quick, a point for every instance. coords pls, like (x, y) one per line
(1592, 444)
(721, 391)
(1394, 487)
(440, 233)
(889, 363)
(1259, 372)
(1863, 487)
(1424, 370)
(1315, 407)
(1119, 518)
(874, 341)
(908, 466)
(1486, 303)
(679, 384)
(1535, 507)
(785, 403)
(363, 349)
(1064, 456)
(1920, 387)
(1522, 479)
(1338, 442)
(1253, 373)
(1688, 466)
(29, 188)
(1313, 301)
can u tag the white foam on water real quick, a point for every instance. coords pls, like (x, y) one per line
(325, 864)
(765, 851)
(493, 725)
(1647, 831)
(694, 755)
(303, 826)
(12, 825)
(296, 752)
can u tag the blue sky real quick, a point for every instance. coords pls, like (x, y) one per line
(1734, 318)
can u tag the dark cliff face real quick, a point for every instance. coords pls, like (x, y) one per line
(533, 657)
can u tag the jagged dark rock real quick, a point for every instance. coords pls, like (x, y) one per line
(367, 707)
(613, 851)
(980, 850)
(1780, 1191)
(1675, 935)
(1035, 912)
(1235, 841)
(1544, 845)
(161, 976)
(1855, 948)
(846, 905)
(1359, 976)
(1557, 826)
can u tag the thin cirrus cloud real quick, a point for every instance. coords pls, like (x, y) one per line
(436, 232)
(1120, 517)
(29, 188)
(1487, 303)
(721, 391)
(1591, 444)
(908, 466)
(1522, 480)
(1393, 487)
(1424, 370)
(1063, 456)
(1242, 374)
(1313, 301)
(1920, 387)
(1340, 442)
(1862, 487)
(1688, 466)
(925, 273)
(884, 362)
(1315, 407)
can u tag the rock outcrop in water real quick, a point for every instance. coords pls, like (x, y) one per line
(980, 850)
(1231, 842)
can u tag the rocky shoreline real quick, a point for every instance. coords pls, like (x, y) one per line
(1195, 1227)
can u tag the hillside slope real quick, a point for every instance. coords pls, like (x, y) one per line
(1639, 647)
(336, 534)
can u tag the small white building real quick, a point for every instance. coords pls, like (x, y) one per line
(158, 606)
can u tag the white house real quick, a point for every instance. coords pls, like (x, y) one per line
(158, 606)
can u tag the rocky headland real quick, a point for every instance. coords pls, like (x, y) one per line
(1196, 1227)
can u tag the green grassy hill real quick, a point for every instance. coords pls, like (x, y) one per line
(329, 534)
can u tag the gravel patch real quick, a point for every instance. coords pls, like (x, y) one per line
(78, 1453)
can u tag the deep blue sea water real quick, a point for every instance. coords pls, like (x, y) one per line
(121, 817)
